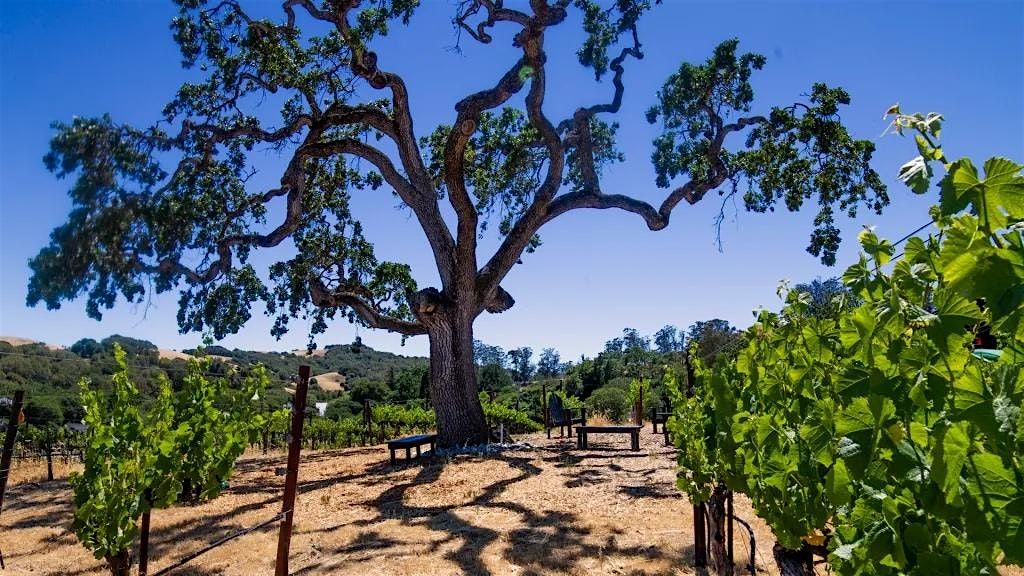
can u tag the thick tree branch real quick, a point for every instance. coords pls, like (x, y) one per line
(489, 293)
(326, 298)
(469, 111)
(292, 184)
(501, 263)
(657, 219)
(530, 40)
(363, 63)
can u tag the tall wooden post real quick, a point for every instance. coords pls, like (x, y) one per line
(544, 408)
(5, 458)
(291, 481)
(12, 432)
(368, 421)
(49, 461)
(144, 545)
(700, 537)
(728, 527)
(640, 406)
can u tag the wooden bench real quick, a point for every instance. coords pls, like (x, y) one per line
(632, 429)
(410, 442)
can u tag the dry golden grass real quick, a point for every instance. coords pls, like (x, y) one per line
(330, 381)
(19, 341)
(553, 510)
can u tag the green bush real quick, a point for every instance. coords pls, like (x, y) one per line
(341, 408)
(131, 465)
(610, 401)
(639, 393)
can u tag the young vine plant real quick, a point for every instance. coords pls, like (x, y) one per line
(138, 458)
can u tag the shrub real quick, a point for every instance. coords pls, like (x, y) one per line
(611, 401)
(215, 424)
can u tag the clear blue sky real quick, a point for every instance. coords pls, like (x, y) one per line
(597, 272)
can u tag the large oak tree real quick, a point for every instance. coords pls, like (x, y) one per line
(171, 207)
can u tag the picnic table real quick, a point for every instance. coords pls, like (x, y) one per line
(410, 442)
(632, 429)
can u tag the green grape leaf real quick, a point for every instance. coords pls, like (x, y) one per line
(916, 174)
(992, 198)
(838, 485)
(990, 481)
(959, 253)
(948, 458)
(857, 417)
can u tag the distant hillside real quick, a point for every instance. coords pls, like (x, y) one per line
(355, 362)
(50, 374)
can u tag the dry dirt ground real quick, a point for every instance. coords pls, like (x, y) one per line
(550, 510)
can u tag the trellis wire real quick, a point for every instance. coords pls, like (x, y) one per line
(218, 543)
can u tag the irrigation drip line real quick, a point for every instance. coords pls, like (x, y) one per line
(752, 547)
(220, 542)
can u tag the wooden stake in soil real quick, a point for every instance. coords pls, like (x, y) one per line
(544, 408)
(49, 461)
(700, 538)
(144, 545)
(729, 525)
(292, 478)
(12, 432)
(368, 422)
(5, 459)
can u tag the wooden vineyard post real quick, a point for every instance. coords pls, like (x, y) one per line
(544, 408)
(640, 406)
(292, 475)
(12, 432)
(728, 527)
(144, 545)
(49, 459)
(368, 422)
(700, 538)
(5, 458)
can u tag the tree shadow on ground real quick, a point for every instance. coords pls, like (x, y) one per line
(587, 477)
(648, 491)
(545, 541)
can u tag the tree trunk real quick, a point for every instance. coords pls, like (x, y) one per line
(718, 554)
(453, 386)
(120, 564)
(793, 562)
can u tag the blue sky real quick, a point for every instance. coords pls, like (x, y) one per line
(597, 272)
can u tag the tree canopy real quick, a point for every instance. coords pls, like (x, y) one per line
(169, 206)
